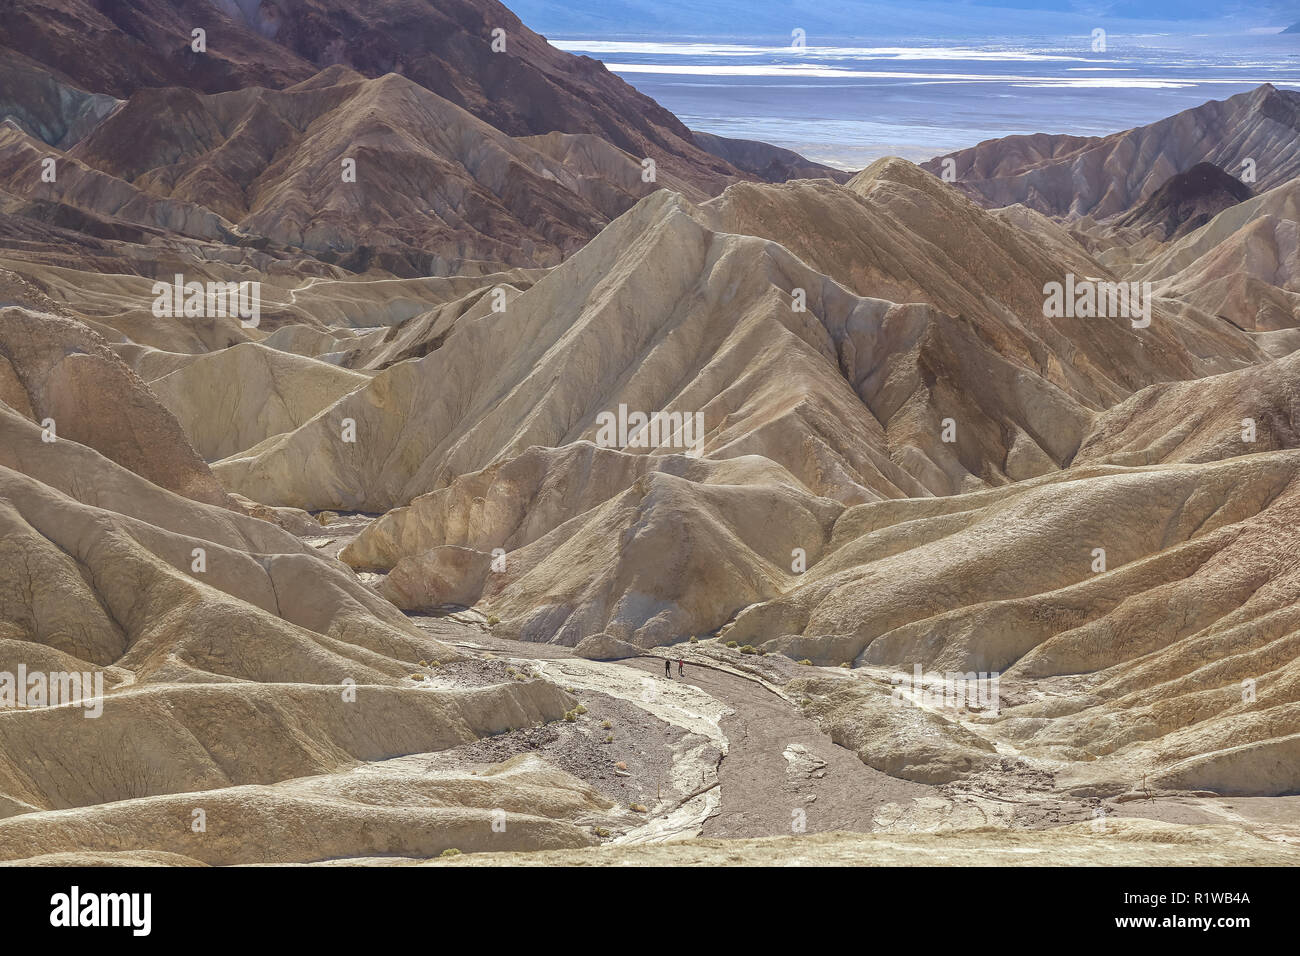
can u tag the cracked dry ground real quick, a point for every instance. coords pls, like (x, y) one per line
(780, 770)
(779, 761)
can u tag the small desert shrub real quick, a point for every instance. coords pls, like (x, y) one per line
(570, 716)
(609, 738)
(806, 663)
(694, 639)
(600, 832)
(450, 851)
(493, 620)
(638, 808)
(732, 644)
(580, 709)
(846, 664)
(606, 725)
(749, 649)
(417, 677)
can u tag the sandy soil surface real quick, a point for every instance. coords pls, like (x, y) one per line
(1121, 843)
(724, 752)
(1274, 818)
(781, 772)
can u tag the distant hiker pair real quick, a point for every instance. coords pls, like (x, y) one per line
(668, 668)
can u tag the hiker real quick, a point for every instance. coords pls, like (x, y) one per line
(680, 664)
(668, 668)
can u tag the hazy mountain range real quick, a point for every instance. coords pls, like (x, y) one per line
(891, 18)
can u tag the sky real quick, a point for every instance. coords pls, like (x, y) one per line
(868, 18)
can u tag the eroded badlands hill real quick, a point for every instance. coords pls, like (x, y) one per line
(529, 88)
(1102, 176)
(227, 656)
